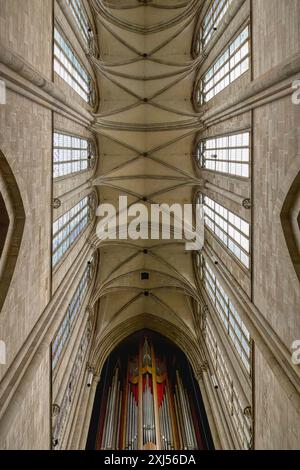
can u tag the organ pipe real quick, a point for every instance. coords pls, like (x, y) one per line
(148, 404)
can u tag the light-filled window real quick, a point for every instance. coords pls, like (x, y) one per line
(230, 65)
(69, 226)
(68, 67)
(65, 329)
(241, 422)
(211, 21)
(229, 154)
(228, 227)
(67, 400)
(81, 19)
(227, 312)
(71, 154)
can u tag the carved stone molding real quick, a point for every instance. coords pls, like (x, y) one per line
(204, 313)
(247, 204)
(204, 55)
(55, 409)
(203, 367)
(91, 316)
(54, 442)
(19, 65)
(56, 204)
(90, 368)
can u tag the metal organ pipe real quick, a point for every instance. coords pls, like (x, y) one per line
(148, 411)
(130, 421)
(148, 414)
(182, 411)
(183, 402)
(113, 407)
(169, 423)
(135, 425)
(180, 416)
(153, 419)
(163, 431)
(188, 419)
(105, 420)
(191, 420)
(109, 424)
(185, 412)
(116, 418)
(127, 418)
(146, 408)
(144, 416)
(109, 413)
(111, 427)
(133, 422)
(165, 424)
(181, 443)
(119, 421)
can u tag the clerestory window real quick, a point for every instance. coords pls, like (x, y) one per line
(227, 312)
(68, 67)
(241, 422)
(66, 327)
(228, 227)
(211, 21)
(71, 154)
(69, 226)
(228, 154)
(230, 65)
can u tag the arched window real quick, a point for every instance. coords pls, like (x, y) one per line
(241, 422)
(227, 312)
(72, 154)
(68, 67)
(230, 65)
(68, 397)
(66, 327)
(81, 18)
(227, 227)
(210, 22)
(228, 154)
(69, 226)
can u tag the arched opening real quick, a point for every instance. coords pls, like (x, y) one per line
(290, 220)
(12, 221)
(148, 399)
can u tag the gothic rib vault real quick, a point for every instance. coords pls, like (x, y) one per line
(147, 126)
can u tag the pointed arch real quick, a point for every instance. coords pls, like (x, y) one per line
(290, 221)
(11, 225)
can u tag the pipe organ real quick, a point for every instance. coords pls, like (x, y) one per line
(148, 400)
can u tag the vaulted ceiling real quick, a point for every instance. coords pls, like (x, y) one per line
(146, 128)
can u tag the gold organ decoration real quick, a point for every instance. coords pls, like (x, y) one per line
(146, 404)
